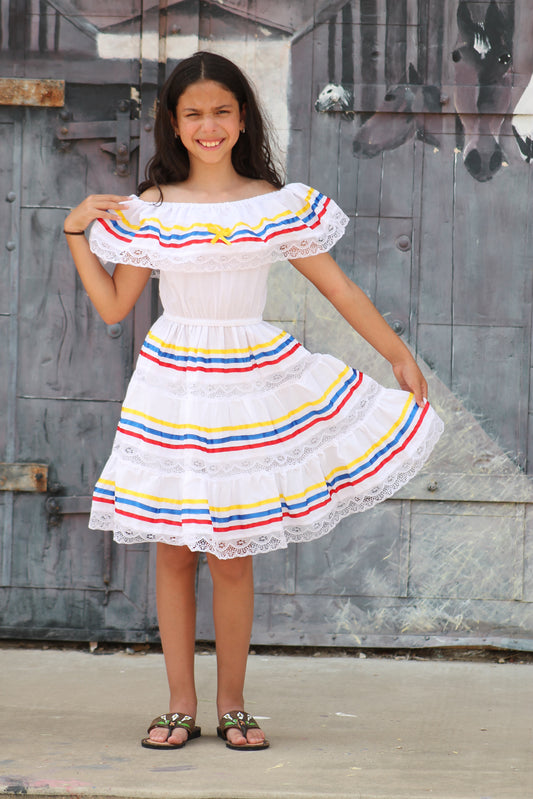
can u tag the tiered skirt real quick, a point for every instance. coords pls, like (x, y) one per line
(234, 440)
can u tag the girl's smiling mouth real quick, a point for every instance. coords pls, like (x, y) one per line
(209, 145)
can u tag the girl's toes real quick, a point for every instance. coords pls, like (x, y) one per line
(159, 734)
(235, 737)
(178, 736)
(255, 736)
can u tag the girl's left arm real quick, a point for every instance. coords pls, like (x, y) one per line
(353, 304)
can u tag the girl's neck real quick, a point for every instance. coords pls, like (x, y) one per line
(214, 182)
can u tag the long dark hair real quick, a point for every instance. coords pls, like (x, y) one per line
(251, 156)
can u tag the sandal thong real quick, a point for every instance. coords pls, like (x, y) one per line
(171, 721)
(238, 719)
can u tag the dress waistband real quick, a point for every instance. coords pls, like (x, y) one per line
(192, 322)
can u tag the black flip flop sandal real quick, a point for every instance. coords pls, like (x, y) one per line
(170, 721)
(238, 719)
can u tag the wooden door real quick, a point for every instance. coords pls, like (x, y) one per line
(64, 372)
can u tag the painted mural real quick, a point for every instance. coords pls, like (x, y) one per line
(417, 117)
(482, 60)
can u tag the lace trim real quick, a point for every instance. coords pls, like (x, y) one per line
(215, 258)
(153, 378)
(238, 464)
(291, 533)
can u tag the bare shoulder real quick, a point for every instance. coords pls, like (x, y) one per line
(151, 195)
(259, 187)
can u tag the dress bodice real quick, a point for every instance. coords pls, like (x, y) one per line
(213, 258)
(222, 297)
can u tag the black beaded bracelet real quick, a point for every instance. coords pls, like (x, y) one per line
(74, 232)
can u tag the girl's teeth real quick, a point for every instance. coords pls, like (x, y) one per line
(209, 143)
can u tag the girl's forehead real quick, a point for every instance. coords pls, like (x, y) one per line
(206, 93)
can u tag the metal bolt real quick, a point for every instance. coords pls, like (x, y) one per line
(64, 131)
(148, 127)
(122, 149)
(114, 331)
(64, 115)
(398, 326)
(124, 105)
(11, 245)
(432, 486)
(403, 243)
(11, 197)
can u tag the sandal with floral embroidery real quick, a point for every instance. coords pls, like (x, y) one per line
(239, 720)
(171, 721)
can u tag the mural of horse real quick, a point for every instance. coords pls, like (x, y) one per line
(478, 63)
(483, 81)
(400, 117)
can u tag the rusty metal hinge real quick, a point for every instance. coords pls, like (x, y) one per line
(124, 130)
(32, 91)
(24, 477)
(57, 506)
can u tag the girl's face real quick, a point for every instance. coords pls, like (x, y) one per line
(209, 121)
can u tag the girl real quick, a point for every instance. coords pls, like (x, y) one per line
(233, 438)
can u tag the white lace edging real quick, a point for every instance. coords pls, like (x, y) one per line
(289, 533)
(218, 257)
(238, 464)
(153, 378)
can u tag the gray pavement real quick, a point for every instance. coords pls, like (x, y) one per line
(340, 727)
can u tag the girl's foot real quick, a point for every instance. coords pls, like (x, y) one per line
(174, 729)
(239, 729)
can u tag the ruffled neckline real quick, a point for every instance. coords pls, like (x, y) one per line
(292, 222)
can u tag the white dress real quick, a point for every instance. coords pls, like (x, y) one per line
(233, 438)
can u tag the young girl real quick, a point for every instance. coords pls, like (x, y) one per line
(233, 439)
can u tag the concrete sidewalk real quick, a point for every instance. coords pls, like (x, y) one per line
(339, 727)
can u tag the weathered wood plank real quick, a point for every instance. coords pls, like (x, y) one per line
(363, 552)
(71, 334)
(436, 235)
(485, 359)
(73, 436)
(467, 557)
(393, 273)
(7, 191)
(489, 277)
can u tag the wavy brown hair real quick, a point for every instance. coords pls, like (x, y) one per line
(251, 156)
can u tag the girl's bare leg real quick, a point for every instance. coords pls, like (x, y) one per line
(233, 611)
(176, 611)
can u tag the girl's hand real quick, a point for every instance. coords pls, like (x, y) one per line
(96, 206)
(410, 378)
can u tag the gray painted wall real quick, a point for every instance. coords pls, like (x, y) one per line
(440, 241)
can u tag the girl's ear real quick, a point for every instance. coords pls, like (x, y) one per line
(173, 122)
(243, 115)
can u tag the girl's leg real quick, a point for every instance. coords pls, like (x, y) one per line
(233, 611)
(176, 611)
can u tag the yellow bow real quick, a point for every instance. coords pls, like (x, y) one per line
(219, 233)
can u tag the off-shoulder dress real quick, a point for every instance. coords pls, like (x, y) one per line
(233, 438)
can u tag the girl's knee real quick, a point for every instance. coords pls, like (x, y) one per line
(176, 558)
(234, 569)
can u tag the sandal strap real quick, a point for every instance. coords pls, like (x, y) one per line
(238, 719)
(172, 720)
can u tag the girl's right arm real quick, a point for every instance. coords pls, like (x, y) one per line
(114, 295)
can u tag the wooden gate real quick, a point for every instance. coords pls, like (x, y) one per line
(365, 97)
